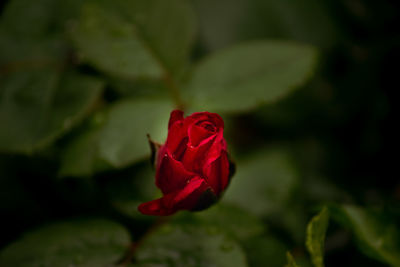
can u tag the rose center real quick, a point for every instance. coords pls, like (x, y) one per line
(207, 125)
(201, 130)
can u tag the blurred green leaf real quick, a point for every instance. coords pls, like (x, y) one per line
(263, 182)
(124, 38)
(259, 245)
(315, 242)
(216, 31)
(123, 138)
(108, 42)
(286, 19)
(41, 18)
(117, 137)
(231, 219)
(291, 262)
(80, 156)
(140, 88)
(36, 17)
(77, 243)
(376, 236)
(247, 75)
(320, 189)
(292, 218)
(274, 19)
(265, 251)
(38, 106)
(177, 246)
(167, 28)
(131, 188)
(17, 55)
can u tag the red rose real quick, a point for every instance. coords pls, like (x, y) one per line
(192, 167)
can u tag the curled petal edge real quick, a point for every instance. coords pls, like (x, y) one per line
(172, 202)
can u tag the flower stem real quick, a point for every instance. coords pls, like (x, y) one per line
(174, 91)
(127, 259)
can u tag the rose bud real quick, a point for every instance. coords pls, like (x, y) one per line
(192, 167)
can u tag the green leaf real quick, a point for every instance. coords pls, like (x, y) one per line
(292, 218)
(41, 18)
(17, 55)
(140, 88)
(171, 43)
(124, 38)
(80, 156)
(76, 243)
(291, 262)
(36, 17)
(216, 31)
(275, 19)
(108, 42)
(123, 138)
(377, 236)
(315, 242)
(265, 249)
(247, 75)
(132, 187)
(291, 20)
(263, 182)
(116, 137)
(231, 219)
(38, 106)
(260, 247)
(189, 246)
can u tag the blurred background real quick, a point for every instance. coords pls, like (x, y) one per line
(307, 90)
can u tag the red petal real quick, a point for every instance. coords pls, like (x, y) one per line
(217, 173)
(171, 174)
(224, 170)
(195, 157)
(176, 115)
(181, 149)
(179, 128)
(215, 150)
(213, 117)
(182, 199)
(155, 207)
(176, 133)
(197, 134)
(185, 198)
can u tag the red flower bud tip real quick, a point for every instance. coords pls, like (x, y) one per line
(192, 167)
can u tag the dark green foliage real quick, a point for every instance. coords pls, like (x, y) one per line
(78, 243)
(304, 88)
(173, 245)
